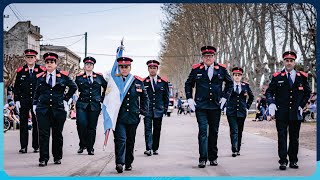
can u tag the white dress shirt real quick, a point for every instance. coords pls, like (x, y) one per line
(293, 74)
(53, 77)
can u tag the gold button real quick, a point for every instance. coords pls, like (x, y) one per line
(30, 92)
(154, 98)
(291, 91)
(90, 92)
(31, 84)
(51, 89)
(154, 94)
(290, 102)
(210, 93)
(128, 93)
(127, 109)
(289, 107)
(210, 83)
(237, 109)
(50, 104)
(128, 98)
(90, 88)
(210, 88)
(50, 99)
(290, 96)
(153, 103)
(237, 104)
(90, 100)
(90, 96)
(210, 99)
(30, 88)
(50, 94)
(127, 104)
(237, 100)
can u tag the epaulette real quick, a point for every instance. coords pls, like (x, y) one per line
(40, 74)
(304, 74)
(194, 66)
(64, 73)
(139, 78)
(222, 65)
(276, 74)
(80, 74)
(19, 69)
(43, 68)
(164, 79)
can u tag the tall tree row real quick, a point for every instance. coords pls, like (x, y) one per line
(252, 36)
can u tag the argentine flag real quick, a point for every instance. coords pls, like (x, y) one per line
(115, 93)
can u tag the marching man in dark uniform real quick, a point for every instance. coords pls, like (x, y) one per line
(208, 76)
(135, 103)
(88, 106)
(24, 88)
(287, 94)
(50, 107)
(158, 93)
(240, 100)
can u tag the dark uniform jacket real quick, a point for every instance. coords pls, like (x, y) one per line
(238, 104)
(158, 99)
(288, 99)
(25, 85)
(52, 97)
(135, 102)
(90, 94)
(208, 93)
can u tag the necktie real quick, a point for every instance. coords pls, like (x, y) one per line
(30, 72)
(210, 72)
(50, 80)
(154, 83)
(89, 80)
(290, 80)
(237, 89)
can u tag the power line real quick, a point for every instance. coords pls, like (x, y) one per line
(14, 13)
(85, 13)
(62, 37)
(18, 12)
(74, 42)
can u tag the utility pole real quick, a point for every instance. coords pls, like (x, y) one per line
(85, 48)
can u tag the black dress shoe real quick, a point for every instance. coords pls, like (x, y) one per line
(128, 167)
(119, 168)
(238, 153)
(91, 152)
(148, 152)
(202, 164)
(214, 163)
(23, 150)
(80, 150)
(283, 166)
(35, 150)
(42, 163)
(234, 154)
(155, 152)
(293, 165)
(57, 161)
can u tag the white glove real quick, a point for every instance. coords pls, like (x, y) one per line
(70, 101)
(18, 106)
(65, 106)
(34, 107)
(142, 116)
(301, 110)
(192, 104)
(272, 109)
(222, 102)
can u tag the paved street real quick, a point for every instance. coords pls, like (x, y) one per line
(178, 155)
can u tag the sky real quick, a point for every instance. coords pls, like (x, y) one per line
(106, 24)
